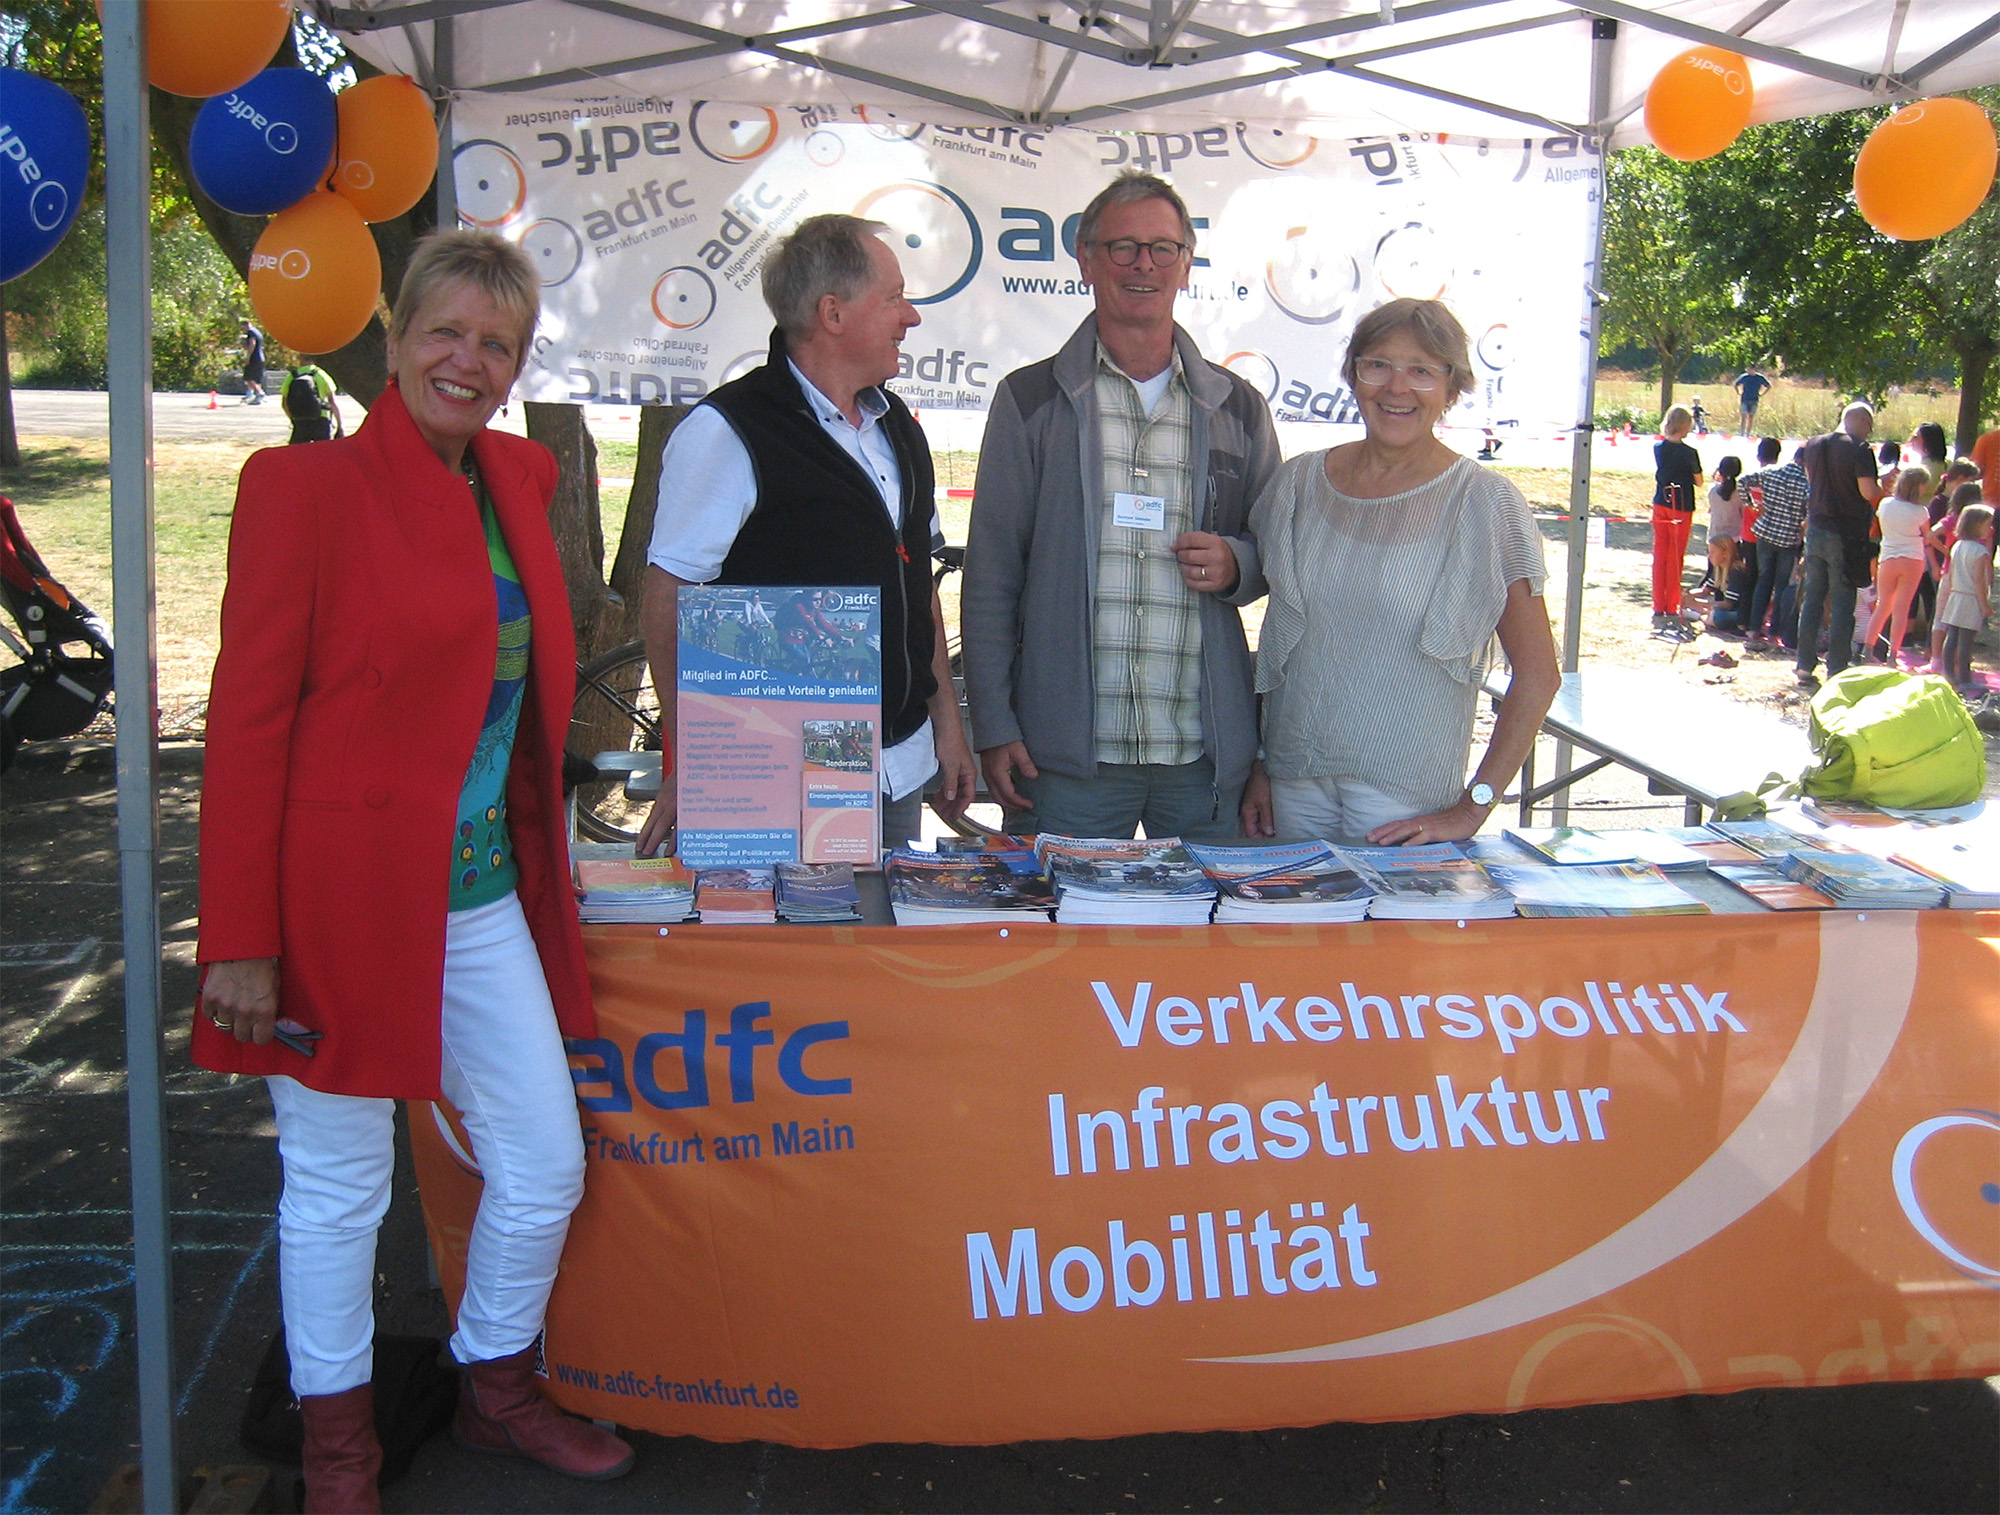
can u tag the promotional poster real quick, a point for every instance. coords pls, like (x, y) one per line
(650, 220)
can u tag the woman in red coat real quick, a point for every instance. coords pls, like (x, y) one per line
(386, 910)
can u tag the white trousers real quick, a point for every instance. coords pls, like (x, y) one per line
(505, 1070)
(1334, 810)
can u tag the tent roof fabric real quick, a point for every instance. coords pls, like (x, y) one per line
(1475, 67)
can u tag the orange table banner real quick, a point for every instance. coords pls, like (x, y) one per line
(980, 1185)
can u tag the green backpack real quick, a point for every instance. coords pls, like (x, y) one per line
(1894, 739)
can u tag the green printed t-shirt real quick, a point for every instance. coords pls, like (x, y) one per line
(482, 863)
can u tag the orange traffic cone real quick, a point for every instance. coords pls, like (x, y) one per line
(211, 400)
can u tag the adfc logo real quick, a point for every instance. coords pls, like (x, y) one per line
(933, 233)
(683, 298)
(555, 247)
(733, 133)
(490, 183)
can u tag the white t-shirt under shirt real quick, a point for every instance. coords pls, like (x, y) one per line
(1903, 523)
(708, 487)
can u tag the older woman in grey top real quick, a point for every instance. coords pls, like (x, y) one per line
(1394, 563)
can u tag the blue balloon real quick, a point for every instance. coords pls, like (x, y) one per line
(264, 147)
(44, 165)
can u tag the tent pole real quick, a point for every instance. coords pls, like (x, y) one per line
(129, 258)
(1603, 43)
(444, 67)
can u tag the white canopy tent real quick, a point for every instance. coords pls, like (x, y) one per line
(1319, 67)
(1460, 66)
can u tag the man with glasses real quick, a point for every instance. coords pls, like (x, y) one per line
(1105, 661)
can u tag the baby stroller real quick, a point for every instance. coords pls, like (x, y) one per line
(64, 676)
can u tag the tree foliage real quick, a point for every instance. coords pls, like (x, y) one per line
(1655, 295)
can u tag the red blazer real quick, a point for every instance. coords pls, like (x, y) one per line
(359, 630)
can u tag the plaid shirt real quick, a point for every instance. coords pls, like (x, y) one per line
(1781, 523)
(1147, 642)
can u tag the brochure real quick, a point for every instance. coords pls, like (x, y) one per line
(1119, 881)
(755, 666)
(1767, 885)
(1431, 883)
(840, 797)
(737, 896)
(1853, 879)
(613, 885)
(1298, 881)
(1610, 889)
(814, 892)
(961, 888)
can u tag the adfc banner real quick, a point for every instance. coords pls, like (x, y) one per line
(650, 221)
(973, 1185)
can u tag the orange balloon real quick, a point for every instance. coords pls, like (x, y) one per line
(1925, 169)
(209, 47)
(388, 146)
(315, 274)
(1699, 103)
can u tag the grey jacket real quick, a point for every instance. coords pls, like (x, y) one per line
(1028, 608)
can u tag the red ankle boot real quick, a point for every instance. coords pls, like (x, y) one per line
(501, 1409)
(342, 1457)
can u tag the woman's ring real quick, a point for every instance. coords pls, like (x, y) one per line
(220, 1023)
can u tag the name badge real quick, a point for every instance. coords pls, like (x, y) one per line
(1147, 512)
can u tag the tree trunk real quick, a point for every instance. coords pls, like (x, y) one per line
(1975, 369)
(10, 445)
(579, 530)
(1670, 371)
(628, 569)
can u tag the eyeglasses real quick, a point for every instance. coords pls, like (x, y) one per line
(1124, 251)
(1422, 377)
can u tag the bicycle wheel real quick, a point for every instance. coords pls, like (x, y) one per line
(615, 711)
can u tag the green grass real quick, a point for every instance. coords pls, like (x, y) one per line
(1791, 408)
(63, 492)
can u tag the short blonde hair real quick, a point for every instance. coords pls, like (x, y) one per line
(1677, 422)
(1431, 326)
(1912, 482)
(1976, 522)
(491, 264)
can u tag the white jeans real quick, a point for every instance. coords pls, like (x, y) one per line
(505, 1070)
(1334, 810)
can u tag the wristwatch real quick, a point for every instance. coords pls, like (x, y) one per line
(1482, 794)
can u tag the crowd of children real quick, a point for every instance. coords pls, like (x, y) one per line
(1932, 572)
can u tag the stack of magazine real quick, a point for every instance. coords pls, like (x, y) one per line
(1593, 889)
(1297, 882)
(1114, 881)
(613, 885)
(737, 897)
(1854, 880)
(958, 888)
(1766, 883)
(1965, 859)
(818, 892)
(1432, 883)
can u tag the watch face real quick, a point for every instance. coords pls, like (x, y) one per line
(1482, 794)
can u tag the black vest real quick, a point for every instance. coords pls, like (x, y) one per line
(819, 520)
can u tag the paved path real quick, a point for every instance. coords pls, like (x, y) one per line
(66, 1389)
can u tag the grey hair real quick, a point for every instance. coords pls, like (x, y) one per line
(490, 264)
(1127, 189)
(1431, 326)
(824, 255)
(1857, 408)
